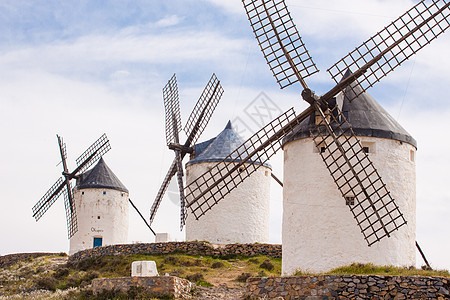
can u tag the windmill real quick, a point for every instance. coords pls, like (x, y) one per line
(194, 127)
(375, 211)
(63, 184)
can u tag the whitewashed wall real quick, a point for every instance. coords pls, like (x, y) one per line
(112, 226)
(319, 232)
(241, 217)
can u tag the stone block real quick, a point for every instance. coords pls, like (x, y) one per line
(143, 269)
(162, 237)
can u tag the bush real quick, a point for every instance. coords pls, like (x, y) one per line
(195, 277)
(77, 280)
(267, 265)
(217, 265)
(262, 274)
(171, 260)
(60, 273)
(243, 277)
(253, 261)
(46, 283)
(177, 272)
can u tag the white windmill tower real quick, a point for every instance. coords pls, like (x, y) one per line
(243, 216)
(378, 216)
(101, 202)
(312, 206)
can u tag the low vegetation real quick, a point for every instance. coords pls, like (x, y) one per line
(370, 269)
(54, 278)
(53, 273)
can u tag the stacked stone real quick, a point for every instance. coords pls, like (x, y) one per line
(349, 287)
(157, 286)
(190, 248)
(10, 259)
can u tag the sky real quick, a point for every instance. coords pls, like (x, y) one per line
(83, 68)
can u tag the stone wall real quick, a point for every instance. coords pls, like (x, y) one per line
(349, 287)
(158, 286)
(190, 248)
(10, 259)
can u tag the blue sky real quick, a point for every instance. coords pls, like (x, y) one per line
(82, 68)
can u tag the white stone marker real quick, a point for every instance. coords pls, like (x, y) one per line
(143, 269)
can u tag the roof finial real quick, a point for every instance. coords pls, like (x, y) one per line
(229, 125)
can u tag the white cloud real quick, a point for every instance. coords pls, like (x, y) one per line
(169, 21)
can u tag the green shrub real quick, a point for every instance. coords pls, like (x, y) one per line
(171, 260)
(243, 277)
(61, 273)
(253, 261)
(217, 265)
(195, 277)
(267, 265)
(46, 283)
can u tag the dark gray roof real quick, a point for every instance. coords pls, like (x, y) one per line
(366, 117)
(100, 177)
(218, 148)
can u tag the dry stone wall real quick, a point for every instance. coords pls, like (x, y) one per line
(10, 259)
(158, 286)
(348, 287)
(190, 248)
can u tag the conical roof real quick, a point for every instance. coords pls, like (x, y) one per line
(218, 148)
(365, 115)
(99, 177)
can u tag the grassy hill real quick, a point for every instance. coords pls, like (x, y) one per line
(51, 277)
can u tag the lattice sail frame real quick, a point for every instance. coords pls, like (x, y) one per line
(172, 110)
(203, 110)
(212, 186)
(162, 190)
(93, 153)
(389, 48)
(71, 214)
(41, 207)
(279, 40)
(374, 209)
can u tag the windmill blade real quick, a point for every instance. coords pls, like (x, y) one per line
(71, 215)
(386, 50)
(62, 149)
(181, 188)
(92, 154)
(49, 198)
(371, 204)
(162, 190)
(211, 187)
(172, 110)
(203, 110)
(280, 42)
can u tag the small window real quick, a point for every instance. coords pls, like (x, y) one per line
(104, 193)
(350, 200)
(121, 194)
(322, 149)
(98, 241)
(82, 193)
(368, 147)
(412, 156)
(241, 170)
(98, 217)
(266, 173)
